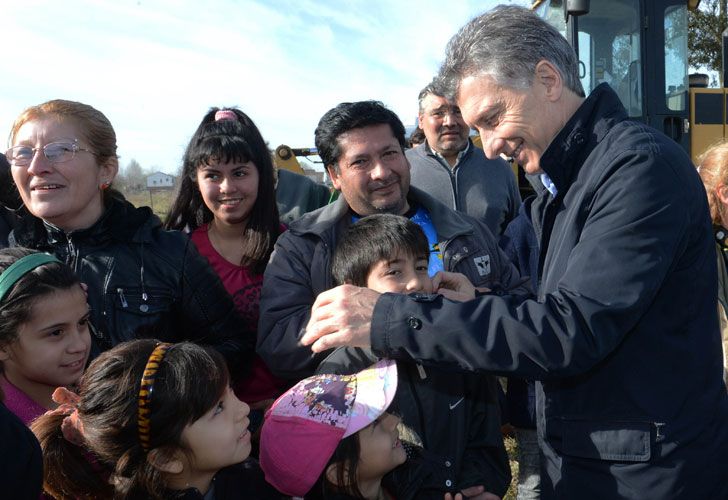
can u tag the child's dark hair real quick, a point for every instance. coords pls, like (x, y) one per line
(44, 280)
(372, 239)
(345, 461)
(108, 407)
(226, 140)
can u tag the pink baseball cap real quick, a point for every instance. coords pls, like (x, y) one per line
(304, 426)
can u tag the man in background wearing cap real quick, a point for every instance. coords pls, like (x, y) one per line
(451, 169)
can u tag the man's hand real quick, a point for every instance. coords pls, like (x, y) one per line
(453, 286)
(341, 316)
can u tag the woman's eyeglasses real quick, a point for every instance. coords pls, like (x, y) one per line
(55, 152)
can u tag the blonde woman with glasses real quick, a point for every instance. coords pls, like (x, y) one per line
(142, 280)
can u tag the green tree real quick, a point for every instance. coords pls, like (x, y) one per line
(705, 33)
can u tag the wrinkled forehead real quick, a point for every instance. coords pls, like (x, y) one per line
(433, 102)
(481, 95)
(45, 128)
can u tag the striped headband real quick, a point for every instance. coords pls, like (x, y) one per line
(144, 403)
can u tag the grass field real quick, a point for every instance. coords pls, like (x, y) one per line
(511, 448)
(159, 200)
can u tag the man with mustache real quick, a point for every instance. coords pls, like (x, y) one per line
(453, 170)
(362, 146)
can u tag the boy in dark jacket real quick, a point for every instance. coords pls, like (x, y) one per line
(454, 416)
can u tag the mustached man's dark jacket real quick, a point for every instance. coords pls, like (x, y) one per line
(299, 269)
(625, 333)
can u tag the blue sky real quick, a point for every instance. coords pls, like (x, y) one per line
(154, 67)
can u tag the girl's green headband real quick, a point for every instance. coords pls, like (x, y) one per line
(20, 268)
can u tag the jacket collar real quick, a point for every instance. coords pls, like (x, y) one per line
(564, 157)
(120, 221)
(448, 222)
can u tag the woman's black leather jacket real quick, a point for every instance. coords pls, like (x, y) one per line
(144, 281)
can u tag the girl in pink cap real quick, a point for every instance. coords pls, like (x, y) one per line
(330, 436)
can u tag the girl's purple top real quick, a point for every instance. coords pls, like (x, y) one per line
(20, 403)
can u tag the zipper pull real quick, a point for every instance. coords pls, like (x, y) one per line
(124, 303)
(96, 333)
(659, 436)
(421, 371)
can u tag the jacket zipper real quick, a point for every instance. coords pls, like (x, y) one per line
(73, 253)
(124, 303)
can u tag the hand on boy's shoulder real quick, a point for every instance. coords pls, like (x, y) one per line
(453, 286)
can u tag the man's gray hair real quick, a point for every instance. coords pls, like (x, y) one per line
(506, 43)
(431, 88)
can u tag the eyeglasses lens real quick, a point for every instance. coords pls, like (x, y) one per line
(58, 152)
(20, 155)
(55, 152)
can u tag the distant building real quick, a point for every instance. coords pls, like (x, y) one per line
(160, 180)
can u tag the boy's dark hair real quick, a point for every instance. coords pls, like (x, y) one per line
(44, 280)
(108, 409)
(224, 141)
(347, 116)
(373, 239)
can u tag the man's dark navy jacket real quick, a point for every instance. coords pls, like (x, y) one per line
(624, 334)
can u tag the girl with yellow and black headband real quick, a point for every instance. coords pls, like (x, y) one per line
(159, 421)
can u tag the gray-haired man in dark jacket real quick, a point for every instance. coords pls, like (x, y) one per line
(624, 333)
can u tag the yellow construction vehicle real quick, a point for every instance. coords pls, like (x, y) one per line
(640, 47)
(285, 157)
